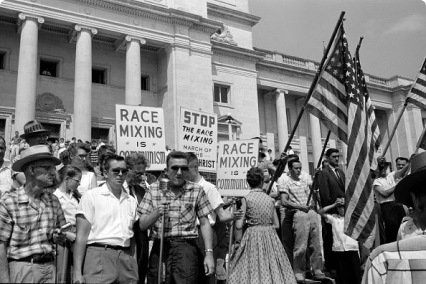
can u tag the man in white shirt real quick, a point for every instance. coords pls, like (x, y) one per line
(105, 225)
(213, 195)
(5, 169)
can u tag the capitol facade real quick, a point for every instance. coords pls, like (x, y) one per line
(68, 63)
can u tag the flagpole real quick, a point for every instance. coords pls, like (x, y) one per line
(398, 119)
(283, 161)
(314, 183)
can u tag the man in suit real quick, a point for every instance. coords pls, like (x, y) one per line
(331, 186)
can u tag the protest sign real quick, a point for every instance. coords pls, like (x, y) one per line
(141, 129)
(235, 159)
(198, 134)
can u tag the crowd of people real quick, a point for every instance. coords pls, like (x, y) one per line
(79, 213)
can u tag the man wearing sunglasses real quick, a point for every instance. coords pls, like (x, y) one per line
(180, 204)
(104, 222)
(30, 219)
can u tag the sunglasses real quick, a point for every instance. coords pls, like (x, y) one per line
(117, 171)
(182, 168)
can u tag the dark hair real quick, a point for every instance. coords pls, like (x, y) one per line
(136, 158)
(176, 155)
(4, 141)
(67, 171)
(108, 159)
(331, 151)
(290, 164)
(102, 152)
(254, 177)
(262, 155)
(402, 159)
(292, 157)
(192, 157)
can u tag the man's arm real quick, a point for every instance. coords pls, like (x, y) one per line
(291, 205)
(324, 189)
(4, 265)
(83, 230)
(147, 221)
(385, 192)
(207, 233)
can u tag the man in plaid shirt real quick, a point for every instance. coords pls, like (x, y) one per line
(181, 204)
(294, 196)
(30, 219)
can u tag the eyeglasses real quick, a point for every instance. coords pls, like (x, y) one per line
(182, 168)
(82, 156)
(46, 168)
(119, 170)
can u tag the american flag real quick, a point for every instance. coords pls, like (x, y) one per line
(417, 95)
(329, 100)
(363, 143)
(341, 105)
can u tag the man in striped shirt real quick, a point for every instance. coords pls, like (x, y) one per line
(294, 196)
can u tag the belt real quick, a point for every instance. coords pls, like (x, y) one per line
(35, 258)
(178, 240)
(105, 246)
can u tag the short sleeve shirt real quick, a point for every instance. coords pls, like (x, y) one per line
(180, 222)
(385, 184)
(27, 228)
(213, 196)
(5, 177)
(341, 242)
(111, 218)
(297, 190)
(69, 205)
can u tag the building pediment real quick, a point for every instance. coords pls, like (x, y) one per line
(49, 103)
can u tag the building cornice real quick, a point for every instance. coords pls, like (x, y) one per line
(236, 52)
(232, 15)
(157, 13)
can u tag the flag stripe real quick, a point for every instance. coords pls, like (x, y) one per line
(417, 95)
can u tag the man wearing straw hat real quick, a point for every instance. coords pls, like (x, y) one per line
(404, 261)
(29, 221)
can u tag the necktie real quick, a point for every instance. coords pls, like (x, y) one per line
(337, 174)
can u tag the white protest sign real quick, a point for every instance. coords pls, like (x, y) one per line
(235, 159)
(198, 134)
(141, 129)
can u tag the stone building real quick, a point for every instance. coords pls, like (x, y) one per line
(68, 62)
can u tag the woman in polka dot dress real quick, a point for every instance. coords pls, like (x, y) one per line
(260, 257)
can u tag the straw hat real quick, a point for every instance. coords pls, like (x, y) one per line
(414, 182)
(32, 154)
(32, 128)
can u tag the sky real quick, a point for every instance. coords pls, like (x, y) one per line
(394, 31)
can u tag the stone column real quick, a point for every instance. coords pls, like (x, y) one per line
(133, 70)
(281, 118)
(83, 83)
(27, 70)
(315, 138)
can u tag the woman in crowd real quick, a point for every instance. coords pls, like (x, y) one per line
(260, 257)
(68, 179)
(77, 155)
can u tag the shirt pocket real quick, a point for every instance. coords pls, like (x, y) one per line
(21, 235)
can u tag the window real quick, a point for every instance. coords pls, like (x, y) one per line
(100, 133)
(2, 127)
(145, 83)
(2, 60)
(221, 94)
(99, 76)
(48, 68)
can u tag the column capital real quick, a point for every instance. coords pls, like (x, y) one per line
(279, 91)
(130, 38)
(22, 17)
(78, 28)
(121, 43)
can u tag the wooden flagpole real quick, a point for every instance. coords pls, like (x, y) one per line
(283, 161)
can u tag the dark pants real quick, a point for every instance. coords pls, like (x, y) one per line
(142, 251)
(330, 262)
(287, 236)
(392, 214)
(181, 259)
(348, 267)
